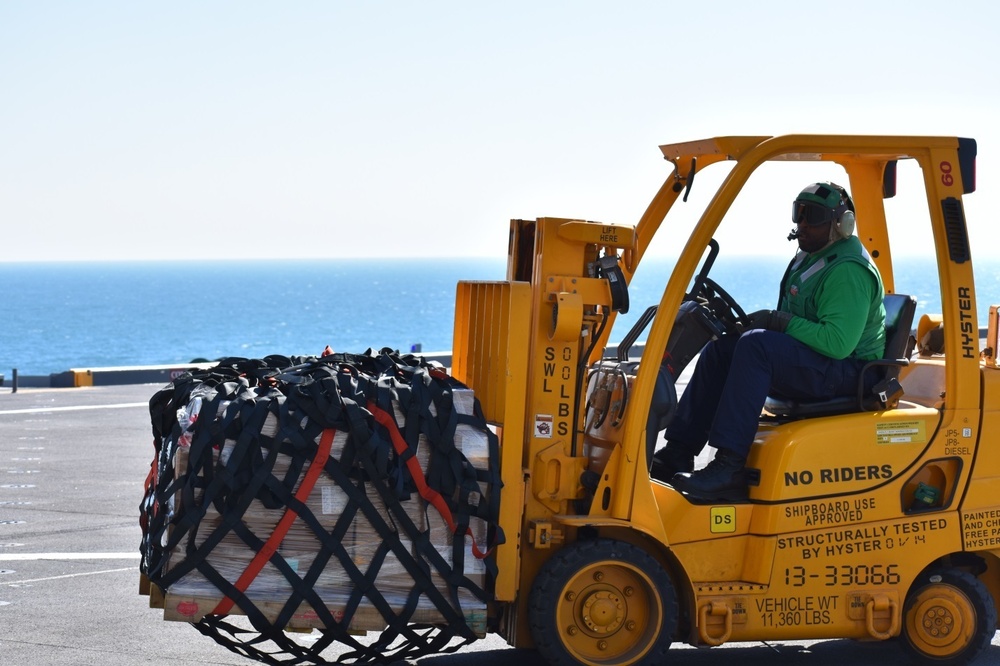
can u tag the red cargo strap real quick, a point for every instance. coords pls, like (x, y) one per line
(281, 529)
(412, 464)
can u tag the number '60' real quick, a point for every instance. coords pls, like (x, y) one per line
(946, 178)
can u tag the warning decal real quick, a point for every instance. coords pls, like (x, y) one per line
(543, 425)
(901, 432)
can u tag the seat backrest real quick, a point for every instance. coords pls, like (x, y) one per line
(899, 311)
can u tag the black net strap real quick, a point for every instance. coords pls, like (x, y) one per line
(251, 414)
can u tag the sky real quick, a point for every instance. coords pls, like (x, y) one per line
(217, 130)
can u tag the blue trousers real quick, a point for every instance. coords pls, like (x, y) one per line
(733, 377)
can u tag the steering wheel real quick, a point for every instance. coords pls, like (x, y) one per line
(722, 307)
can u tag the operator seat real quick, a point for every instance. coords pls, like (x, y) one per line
(899, 310)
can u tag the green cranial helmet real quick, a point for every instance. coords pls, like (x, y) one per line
(820, 203)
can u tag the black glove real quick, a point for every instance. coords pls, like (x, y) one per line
(771, 320)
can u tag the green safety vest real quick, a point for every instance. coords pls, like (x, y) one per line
(807, 272)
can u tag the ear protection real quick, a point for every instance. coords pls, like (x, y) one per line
(844, 226)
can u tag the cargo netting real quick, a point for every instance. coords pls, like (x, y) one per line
(331, 495)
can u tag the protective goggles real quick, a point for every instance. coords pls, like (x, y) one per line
(812, 214)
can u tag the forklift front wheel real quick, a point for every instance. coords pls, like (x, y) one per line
(949, 618)
(603, 602)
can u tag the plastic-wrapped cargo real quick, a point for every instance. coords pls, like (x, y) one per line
(344, 493)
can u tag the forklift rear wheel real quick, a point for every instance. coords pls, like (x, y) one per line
(949, 618)
(603, 602)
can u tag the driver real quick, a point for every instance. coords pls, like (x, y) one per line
(830, 320)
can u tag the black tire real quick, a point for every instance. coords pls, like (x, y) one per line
(602, 602)
(949, 618)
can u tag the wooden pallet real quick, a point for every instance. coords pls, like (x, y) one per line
(190, 608)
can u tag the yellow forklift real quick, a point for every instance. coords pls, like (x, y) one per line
(872, 520)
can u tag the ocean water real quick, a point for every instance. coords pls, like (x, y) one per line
(57, 316)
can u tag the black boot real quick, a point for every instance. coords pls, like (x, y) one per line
(670, 460)
(725, 478)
